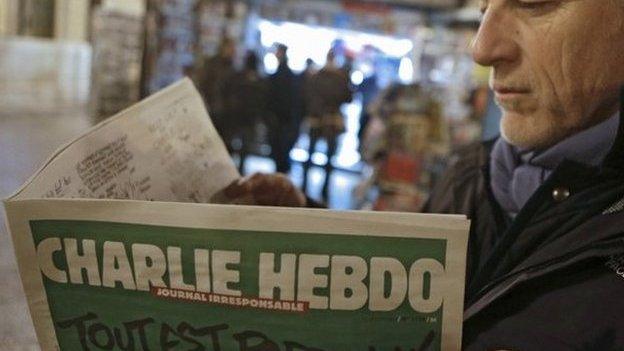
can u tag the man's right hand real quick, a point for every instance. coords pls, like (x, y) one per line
(264, 190)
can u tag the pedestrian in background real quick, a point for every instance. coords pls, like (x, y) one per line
(246, 106)
(284, 105)
(327, 91)
(217, 72)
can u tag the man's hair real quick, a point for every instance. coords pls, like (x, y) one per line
(282, 47)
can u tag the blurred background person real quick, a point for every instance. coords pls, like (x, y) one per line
(246, 107)
(284, 105)
(327, 91)
(217, 72)
(368, 89)
(306, 86)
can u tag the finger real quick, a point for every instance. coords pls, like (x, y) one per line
(270, 186)
(266, 195)
(293, 197)
(237, 188)
(263, 188)
(256, 180)
(278, 190)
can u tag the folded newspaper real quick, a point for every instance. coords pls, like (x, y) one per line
(119, 248)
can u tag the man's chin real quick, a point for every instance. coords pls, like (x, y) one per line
(526, 132)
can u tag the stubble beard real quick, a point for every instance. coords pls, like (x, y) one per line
(532, 131)
(539, 129)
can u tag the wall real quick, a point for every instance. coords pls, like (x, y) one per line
(57, 74)
(8, 17)
(71, 20)
(131, 7)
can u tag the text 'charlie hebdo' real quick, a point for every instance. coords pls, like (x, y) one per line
(353, 283)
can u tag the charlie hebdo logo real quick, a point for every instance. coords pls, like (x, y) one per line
(350, 282)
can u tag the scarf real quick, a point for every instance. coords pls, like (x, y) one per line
(515, 174)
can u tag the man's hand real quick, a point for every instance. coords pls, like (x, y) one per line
(265, 190)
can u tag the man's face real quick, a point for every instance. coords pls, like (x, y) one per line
(557, 65)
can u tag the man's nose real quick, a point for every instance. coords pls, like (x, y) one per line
(495, 42)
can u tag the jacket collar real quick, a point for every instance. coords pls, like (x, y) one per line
(515, 173)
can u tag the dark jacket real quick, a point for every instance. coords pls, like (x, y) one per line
(217, 72)
(552, 278)
(246, 99)
(328, 90)
(284, 96)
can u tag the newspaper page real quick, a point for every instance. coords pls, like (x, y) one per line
(140, 275)
(165, 148)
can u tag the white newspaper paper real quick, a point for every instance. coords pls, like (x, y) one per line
(163, 149)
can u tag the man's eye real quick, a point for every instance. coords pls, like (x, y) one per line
(537, 5)
(483, 5)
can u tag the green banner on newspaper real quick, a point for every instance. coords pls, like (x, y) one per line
(114, 286)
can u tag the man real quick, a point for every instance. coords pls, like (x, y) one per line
(284, 104)
(246, 85)
(369, 88)
(546, 250)
(328, 90)
(217, 72)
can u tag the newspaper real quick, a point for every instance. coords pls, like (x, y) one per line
(119, 249)
(162, 149)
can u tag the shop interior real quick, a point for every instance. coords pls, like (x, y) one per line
(404, 60)
(414, 94)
